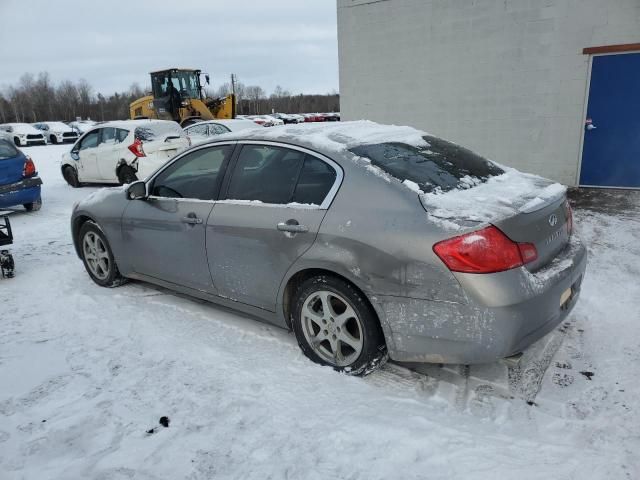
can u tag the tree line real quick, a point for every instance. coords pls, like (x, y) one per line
(36, 98)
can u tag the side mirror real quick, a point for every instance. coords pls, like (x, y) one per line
(206, 77)
(137, 191)
(74, 155)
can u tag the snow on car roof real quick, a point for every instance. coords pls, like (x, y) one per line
(341, 136)
(499, 197)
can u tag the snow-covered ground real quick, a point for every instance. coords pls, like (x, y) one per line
(86, 372)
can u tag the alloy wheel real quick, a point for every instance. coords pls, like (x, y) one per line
(332, 328)
(96, 254)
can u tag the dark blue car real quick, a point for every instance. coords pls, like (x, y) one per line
(19, 181)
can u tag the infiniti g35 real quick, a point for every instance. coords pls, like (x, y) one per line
(367, 241)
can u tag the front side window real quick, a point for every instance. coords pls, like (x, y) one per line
(90, 140)
(265, 173)
(196, 175)
(440, 166)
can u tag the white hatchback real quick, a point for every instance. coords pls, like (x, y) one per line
(122, 151)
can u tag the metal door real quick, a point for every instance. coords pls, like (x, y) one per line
(611, 149)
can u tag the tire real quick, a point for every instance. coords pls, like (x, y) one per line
(53, 140)
(71, 176)
(97, 256)
(346, 329)
(16, 140)
(33, 206)
(126, 174)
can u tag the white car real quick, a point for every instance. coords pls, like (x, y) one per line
(122, 151)
(201, 131)
(57, 132)
(23, 134)
(82, 126)
(274, 121)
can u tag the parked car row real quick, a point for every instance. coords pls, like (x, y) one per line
(275, 119)
(41, 133)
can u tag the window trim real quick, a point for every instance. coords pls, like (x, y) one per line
(224, 168)
(326, 203)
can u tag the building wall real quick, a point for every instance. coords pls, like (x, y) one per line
(506, 78)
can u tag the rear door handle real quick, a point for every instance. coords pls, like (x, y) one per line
(192, 220)
(292, 227)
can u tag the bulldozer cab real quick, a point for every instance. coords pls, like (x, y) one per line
(172, 89)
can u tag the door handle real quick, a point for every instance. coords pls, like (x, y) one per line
(292, 227)
(192, 220)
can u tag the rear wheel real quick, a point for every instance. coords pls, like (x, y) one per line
(97, 256)
(126, 174)
(71, 176)
(33, 206)
(53, 139)
(335, 325)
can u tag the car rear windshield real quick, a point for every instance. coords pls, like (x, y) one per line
(7, 150)
(440, 166)
(158, 131)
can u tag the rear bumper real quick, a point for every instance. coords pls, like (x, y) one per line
(19, 193)
(504, 315)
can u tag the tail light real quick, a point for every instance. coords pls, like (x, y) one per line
(484, 251)
(569, 213)
(29, 169)
(136, 148)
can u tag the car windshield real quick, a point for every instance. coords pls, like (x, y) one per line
(7, 150)
(440, 166)
(158, 131)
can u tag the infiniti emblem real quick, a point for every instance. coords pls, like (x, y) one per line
(553, 219)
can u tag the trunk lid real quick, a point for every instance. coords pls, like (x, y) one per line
(526, 208)
(546, 227)
(11, 163)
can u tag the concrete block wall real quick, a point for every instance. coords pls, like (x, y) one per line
(506, 78)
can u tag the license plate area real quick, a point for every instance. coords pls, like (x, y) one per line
(569, 294)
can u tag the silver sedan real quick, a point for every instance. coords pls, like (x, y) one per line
(367, 241)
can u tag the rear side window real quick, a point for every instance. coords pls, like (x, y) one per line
(108, 136)
(121, 135)
(315, 181)
(266, 173)
(442, 166)
(217, 129)
(7, 150)
(158, 131)
(200, 130)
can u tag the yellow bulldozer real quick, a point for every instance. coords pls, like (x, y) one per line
(177, 94)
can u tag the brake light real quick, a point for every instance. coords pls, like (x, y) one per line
(29, 169)
(484, 251)
(136, 148)
(569, 212)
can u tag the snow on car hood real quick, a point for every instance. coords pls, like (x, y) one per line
(24, 128)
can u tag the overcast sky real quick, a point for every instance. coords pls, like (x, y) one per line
(292, 43)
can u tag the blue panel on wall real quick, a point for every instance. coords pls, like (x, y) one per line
(611, 152)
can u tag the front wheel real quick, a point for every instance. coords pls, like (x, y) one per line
(97, 256)
(71, 176)
(335, 326)
(53, 140)
(33, 206)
